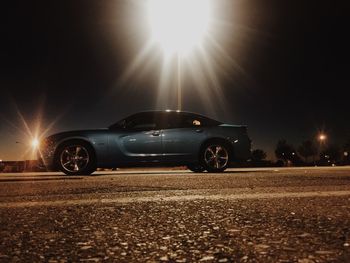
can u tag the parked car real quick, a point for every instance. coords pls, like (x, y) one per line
(166, 138)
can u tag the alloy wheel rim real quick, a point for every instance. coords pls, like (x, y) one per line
(74, 158)
(216, 156)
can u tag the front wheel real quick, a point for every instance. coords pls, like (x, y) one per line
(215, 157)
(76, 158)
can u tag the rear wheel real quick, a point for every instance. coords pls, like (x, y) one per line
(76, 158)
(215, 157)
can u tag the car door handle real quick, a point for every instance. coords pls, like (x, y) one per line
(199, 130)
(155, 133)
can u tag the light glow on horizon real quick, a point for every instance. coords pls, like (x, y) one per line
(30, 130)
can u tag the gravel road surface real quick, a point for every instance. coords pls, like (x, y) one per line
(243, 215)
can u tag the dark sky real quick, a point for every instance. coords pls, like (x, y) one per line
(288, 76)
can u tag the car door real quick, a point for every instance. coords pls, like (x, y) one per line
(182, 136)
(140, 139)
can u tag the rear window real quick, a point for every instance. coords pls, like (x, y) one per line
(177, 120)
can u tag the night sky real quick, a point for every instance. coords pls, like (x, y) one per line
(284, 71)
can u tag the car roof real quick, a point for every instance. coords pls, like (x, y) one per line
(168, 111)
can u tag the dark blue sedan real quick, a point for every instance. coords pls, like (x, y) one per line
(165, 138)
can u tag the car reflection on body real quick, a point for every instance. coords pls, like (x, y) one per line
(165, 138)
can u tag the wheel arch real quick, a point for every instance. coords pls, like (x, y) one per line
(73, 139)
(224, 141)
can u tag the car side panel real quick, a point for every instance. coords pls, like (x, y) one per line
(132, 147)
(99, 142)
(117, 148)
(182, 144)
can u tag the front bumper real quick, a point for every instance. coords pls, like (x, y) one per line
(46, 154)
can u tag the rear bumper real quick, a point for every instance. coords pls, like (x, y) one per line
(242, 149)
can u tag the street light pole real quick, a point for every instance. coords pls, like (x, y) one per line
(322, 139)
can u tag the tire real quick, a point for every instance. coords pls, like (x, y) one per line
(196, 168)
(76, 158)
(215, 157)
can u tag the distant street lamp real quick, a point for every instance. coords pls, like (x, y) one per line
(322, 137)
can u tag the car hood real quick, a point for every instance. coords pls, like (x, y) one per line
(76, 133)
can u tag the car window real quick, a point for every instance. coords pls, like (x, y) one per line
(164, 120)
(198, 121)
(169, 120)
(176, 120)
(141, 123)
(173, 120)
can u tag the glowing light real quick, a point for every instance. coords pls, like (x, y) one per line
(322, 137)
(187, 39)
(178, 25)
(35, 143)
(32, 132)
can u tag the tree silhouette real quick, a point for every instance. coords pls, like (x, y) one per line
(258, 155)
(284, 151)
(346, 153)
(307, 149)
(331, 154)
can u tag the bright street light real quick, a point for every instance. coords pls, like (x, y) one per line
(186, 36)
(35, 143)
(178, 26)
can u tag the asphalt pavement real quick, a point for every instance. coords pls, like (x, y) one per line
(163, 215)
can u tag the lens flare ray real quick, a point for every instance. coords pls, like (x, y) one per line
(186, 39)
